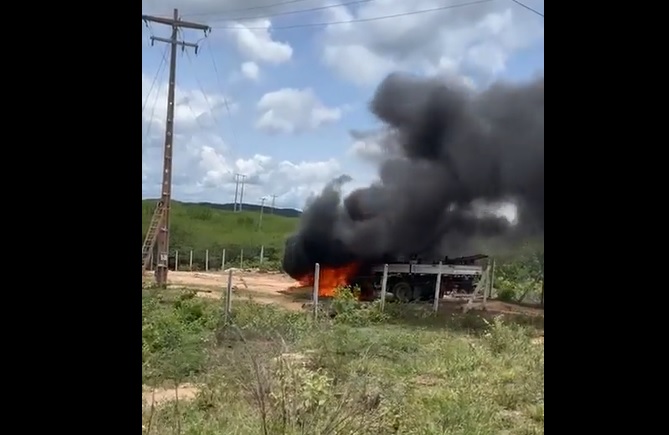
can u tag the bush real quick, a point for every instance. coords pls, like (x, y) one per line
(176, 332)
(347, 309)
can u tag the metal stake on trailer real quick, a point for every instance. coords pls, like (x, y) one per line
(437, 289)
(384, 286)
(314, 298)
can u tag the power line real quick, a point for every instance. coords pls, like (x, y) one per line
(159, 228)
(252, 8)
(204, 94)
(297, 11)
(528, 8)
(155, 103)
(360, 20)
(225, 97)
(163, 61)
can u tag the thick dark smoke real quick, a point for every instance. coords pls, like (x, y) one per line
(457, 150)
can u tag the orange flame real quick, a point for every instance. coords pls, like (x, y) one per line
(331, 278)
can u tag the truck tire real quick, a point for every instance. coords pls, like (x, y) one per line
(466, 287)
(402, 291)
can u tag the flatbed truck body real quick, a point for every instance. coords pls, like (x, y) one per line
(416, 280)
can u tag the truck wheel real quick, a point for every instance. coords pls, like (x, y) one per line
(402, 291)
(466, 287)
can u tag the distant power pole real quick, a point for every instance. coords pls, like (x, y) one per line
(163, 234)
(234, 209)
(272, 206)
(241, 194)
(262, 206)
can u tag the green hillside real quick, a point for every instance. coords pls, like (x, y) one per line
(201, 227)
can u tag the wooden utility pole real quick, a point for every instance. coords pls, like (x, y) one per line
(262, 207)
(241, 194)
(163, 235)
(234, 208)
(272, 206)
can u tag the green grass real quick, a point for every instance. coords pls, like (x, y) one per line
(363, 372)
(200, 227)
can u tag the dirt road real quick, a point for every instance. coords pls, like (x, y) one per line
(271, 287)
(278, 288)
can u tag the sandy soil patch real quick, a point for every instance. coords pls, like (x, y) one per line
(160, 396)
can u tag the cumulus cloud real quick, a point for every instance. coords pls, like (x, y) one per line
(204, 164)
(291, 110)
(292, 182)
(204, 170)
(250, 70)
(193, 110)
(255, 42)
(473, 40)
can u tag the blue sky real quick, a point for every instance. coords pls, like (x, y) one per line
(288, 127)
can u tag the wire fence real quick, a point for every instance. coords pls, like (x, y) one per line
(483, 291)
(220, 259)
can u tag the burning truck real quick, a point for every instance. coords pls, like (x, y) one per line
(408, 279)
(448, 157)
(416, 279)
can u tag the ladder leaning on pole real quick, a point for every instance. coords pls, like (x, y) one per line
(152, 235)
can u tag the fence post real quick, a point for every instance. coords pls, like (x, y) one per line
(206, 260)
(437, 289)
(241, 259)
(262, 252)
(190, 262)
(228, 297)
(542, 283)
(384, 284)
(487, 293)
(492, 280)
(314, 297)
(176, 261)
(223, 260)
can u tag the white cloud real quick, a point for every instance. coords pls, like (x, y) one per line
(204, 170)
(193, 110)
(204, 164)
(292, 182)
(373, 146)
(474, 40)
(255, 42)
(250, 70)
(290, 110)
(208, 10)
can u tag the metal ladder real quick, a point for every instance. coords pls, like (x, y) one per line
(152, 235)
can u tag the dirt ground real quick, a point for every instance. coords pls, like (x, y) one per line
(160, 396)
(269, 288)
(279, 288)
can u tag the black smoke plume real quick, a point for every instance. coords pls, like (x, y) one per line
(451, 151)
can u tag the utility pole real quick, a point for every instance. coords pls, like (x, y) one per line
(163, 235)
(241, 195)
(234, 208)
(272, 206)
(262, 206)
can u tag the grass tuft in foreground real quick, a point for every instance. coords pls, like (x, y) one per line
(404, 371)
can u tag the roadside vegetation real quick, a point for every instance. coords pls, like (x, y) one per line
(201, 227)
(403, 371)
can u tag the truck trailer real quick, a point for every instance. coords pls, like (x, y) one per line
(415, 279)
